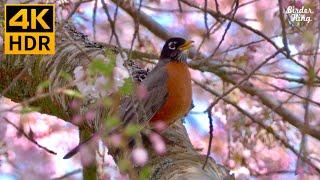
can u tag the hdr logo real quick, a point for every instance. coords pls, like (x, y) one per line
(29, 29)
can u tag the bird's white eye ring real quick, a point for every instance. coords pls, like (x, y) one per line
(172, 45)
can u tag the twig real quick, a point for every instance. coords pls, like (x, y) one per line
(243, 80)
(206, 17)
(217, 6)
(144, 19)
(112, 24)
(210, 137)
(136, 30)
(94, 19)
(225, 109)
(169, 10)
(283, 25)
(245, 26)
(260, 123)
(225, 31)
(317, 47)
(74, 9)
(28, 137)
(294, 94)
(303, 143)
(180, 6)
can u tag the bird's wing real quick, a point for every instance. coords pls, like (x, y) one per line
(140, 110)
(135, 110)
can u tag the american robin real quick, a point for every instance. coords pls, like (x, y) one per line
(168, 90)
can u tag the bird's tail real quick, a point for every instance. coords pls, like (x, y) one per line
(76, 149)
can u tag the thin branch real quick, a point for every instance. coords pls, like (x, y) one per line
(144, 19)
(317, 47)
(244, 79)
(169, 10)
(210, 137)
(74, 9)
(180, 6)
(289, 79)
(28, 137)
(217, 6)
(94, 19)
(225, 31)
(307, 99)
(112, 23)
(206, 17)
(245, 26)
(136, 30)
(303, 143)
(283, 25)
(206, 36)
(260, 123)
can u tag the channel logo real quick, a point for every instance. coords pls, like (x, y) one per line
(29, 29)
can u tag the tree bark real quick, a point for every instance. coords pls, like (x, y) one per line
(181, 160)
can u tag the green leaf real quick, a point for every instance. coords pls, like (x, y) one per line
(127, 87)
(124, 165)
(43, 85)
(312, 75)
(110, 54)
(72, 93)
(65, 75)
(99, 66)
(309, 36)
(144, 173)
(132, 129)
(29, 109)
(107, 101)
(111, 122)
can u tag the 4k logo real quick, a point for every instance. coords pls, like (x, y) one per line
(29, 29)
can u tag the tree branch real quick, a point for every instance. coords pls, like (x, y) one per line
(28, 137)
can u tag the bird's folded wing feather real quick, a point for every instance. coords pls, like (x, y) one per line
(141, 110)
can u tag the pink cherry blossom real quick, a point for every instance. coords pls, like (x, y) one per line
(139, 156)
(157, 143)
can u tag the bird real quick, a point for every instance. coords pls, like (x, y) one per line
(167, 87)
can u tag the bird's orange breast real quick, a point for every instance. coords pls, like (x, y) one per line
(179, 98)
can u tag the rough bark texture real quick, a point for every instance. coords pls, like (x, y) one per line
(180, 162)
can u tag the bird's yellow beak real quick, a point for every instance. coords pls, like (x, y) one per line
(187, 45)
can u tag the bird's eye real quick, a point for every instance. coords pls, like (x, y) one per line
(172, 45)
